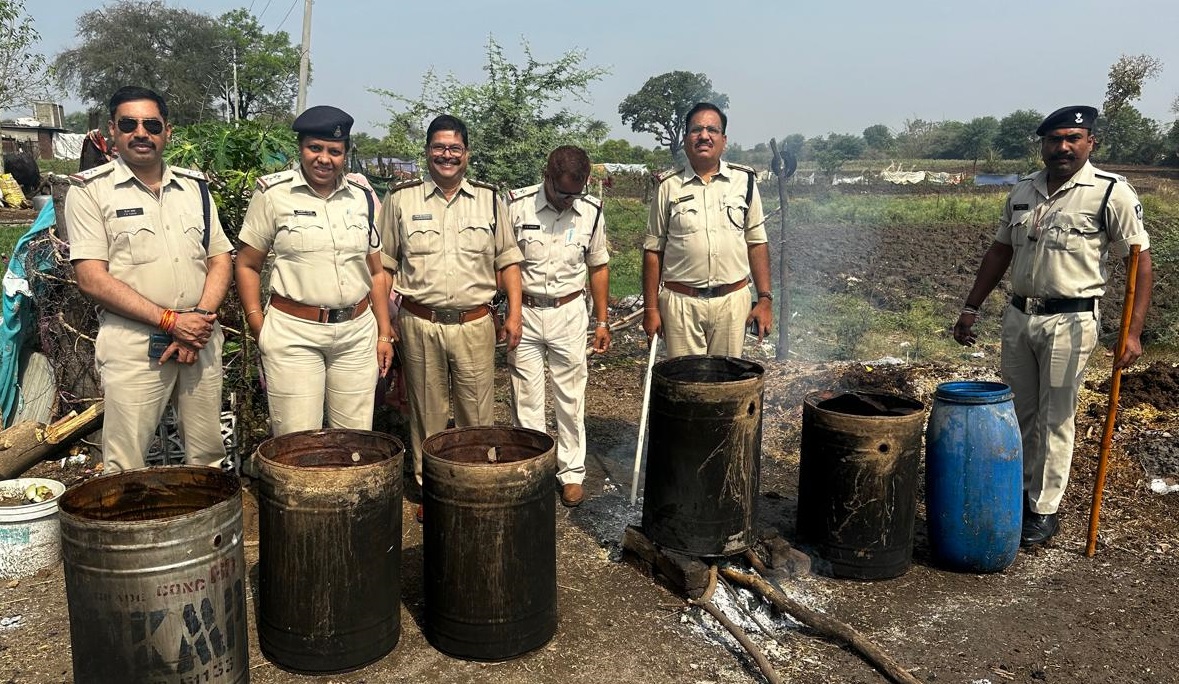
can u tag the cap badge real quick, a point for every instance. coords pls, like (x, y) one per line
(339, 133)
(1080, 119)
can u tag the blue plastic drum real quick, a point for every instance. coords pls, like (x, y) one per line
(973, 476)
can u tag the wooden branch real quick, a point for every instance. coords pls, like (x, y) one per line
(823, 624)
(26, 443)
(705, 602)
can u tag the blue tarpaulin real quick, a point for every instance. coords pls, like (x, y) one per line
(18, 312)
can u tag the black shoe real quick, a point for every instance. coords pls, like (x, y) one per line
(1038, 528)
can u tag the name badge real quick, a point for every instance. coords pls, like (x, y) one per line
(423, 217)
(530, 226)
(682, 198)
(1020, 207)
(124, 213)
(304, 212)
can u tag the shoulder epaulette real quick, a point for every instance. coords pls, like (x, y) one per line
(742, 167)
(83, 177)
(1109, 176)
(270, 180)
(406, 184)
(1030, 176)
(359, 180)
(481, 184)
(521, 193)
(189, 173)
(670, 173)
(593, 201)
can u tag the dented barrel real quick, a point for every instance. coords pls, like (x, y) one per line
(703, 455)
(155, 577)
(857, 481)
(329, 555)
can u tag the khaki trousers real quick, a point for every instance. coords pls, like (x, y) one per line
(311, 367)
(557, 335)
(444, 361)
(1043, 360)
(697, 325)
(137, 390)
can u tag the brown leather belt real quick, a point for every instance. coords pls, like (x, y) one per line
(542, 302)
(706, 292)
(445, 316)
(1036, 306)
(318, 314)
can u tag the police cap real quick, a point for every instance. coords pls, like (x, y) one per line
(1077, 116)
(324, 122)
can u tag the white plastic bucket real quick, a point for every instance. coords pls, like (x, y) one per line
(30, 538)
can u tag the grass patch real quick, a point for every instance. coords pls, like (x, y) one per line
(8, 237)
(626, 224)
(920, 210)
(64, 167)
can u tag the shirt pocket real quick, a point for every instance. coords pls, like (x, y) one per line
(575, 248)
(355, 239)
(422, 237)
(1073, 233)
(1019, 228)
(303, 233)
(735, 209)
(193, 226)
(684, 219)
(135, 239)
(532, 245)
(475, 237)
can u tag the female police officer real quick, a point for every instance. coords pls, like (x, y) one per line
(326, 332)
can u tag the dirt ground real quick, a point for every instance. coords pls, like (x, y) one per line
(1053, 616)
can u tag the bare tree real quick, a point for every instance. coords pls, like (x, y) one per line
(1126, 77)
(22, 72)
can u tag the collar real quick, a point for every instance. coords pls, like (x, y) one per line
(123, 173)
(429, 188)
(301, 180)
(1083, 176)
(723, 171)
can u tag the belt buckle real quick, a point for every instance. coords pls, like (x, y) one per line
(543, 302)
(337, 315)
(707, 292)
(447, 316)
(1033, 306)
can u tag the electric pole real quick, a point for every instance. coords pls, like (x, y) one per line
(304, 59)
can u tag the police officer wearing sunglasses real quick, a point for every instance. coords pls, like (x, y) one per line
(147, 246)
(1060, 227)
(322, 346)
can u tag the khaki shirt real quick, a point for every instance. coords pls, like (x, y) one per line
(1061, 243)
(153, 244)
(444, 255)
(320, 244)
(705, 229)
(558, 246)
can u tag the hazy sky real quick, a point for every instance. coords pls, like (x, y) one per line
(787, 67)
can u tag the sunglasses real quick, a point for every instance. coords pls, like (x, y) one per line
(129, 125)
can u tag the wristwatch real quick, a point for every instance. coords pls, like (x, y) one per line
(766, 295)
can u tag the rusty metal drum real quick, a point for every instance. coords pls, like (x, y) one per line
(155, 577)
(489, 541)
(704, 455)
(329, 570)
(857, 481)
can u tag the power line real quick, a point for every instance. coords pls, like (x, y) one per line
(263, 12)
(287, 15)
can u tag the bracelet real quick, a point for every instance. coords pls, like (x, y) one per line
(603, 324)
(168, 320)
(384, 338)
(766, 295)
(251, 313)
(969, 310)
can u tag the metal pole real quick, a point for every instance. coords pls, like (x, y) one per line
(237, 97)
(783, 166)
(634, 478)
(304, 59)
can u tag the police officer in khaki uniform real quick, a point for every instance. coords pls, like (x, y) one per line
(445, 240)
(705, 237)
(1058, 229)
(146, 244)
(562, 234)
(318, 336)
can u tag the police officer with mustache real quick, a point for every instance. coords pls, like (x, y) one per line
(1059, 227)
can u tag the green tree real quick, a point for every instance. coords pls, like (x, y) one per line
(794, 143)
(267, 68)
(1126, 77)
(879, 138)
(1127, 137)
(619, 151)
(22, 71)
(514, 118)
(1016, 137)
(830, 153)
(976, 138)
(659, 107)
(76, 122)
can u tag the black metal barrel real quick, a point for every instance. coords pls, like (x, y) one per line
(857, 481)
(155, 577)
(704, 454)
(489, 541)
(329, 571)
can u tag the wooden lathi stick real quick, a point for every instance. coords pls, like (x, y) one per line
(1111, 414)
(824, 625)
